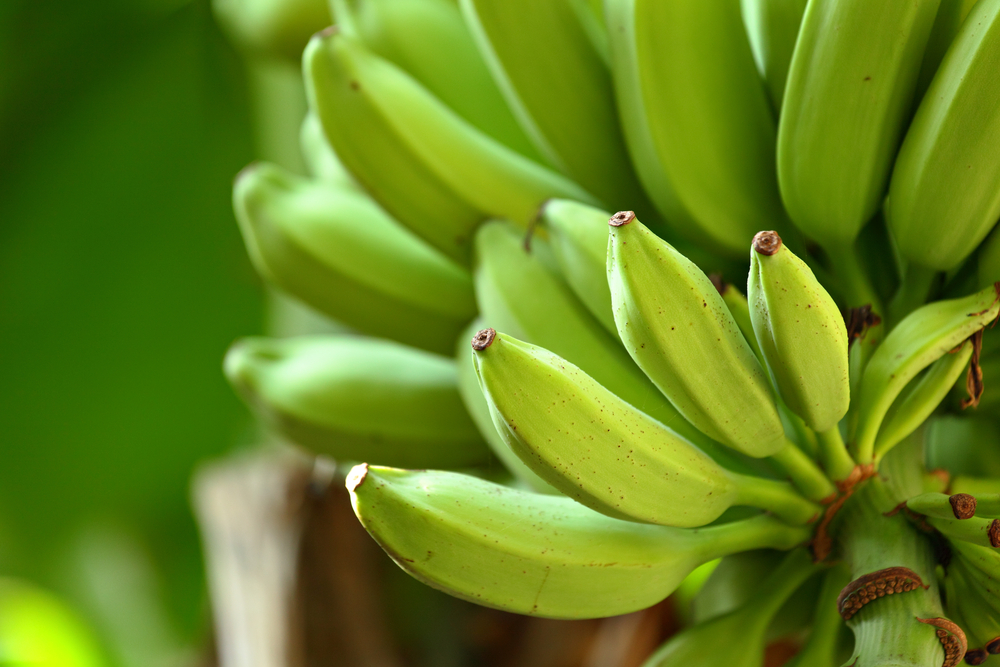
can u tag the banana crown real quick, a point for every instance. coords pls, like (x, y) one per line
(679, 331)
(801, 333)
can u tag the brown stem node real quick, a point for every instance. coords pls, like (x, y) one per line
(621, 218)
(766, 243)
(483, 339)
(963, 505)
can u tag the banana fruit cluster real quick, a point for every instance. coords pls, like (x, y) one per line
(839, 158)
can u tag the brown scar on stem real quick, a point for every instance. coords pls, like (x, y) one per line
(952, 639)
(822, 543)
(621, 218)
(993, 532)
(874, 585)
(356, 477)
(976, 656)
(993, 645)
(963, 506)
(483, 339)
(766, 243)
(974, 378)
(859, 320)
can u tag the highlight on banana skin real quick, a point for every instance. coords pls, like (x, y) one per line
(762, 396)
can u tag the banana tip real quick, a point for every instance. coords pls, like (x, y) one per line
(483, 339)
(963, 505)
(994, 533)
(621, 218)
(356, 477)
(766, 243)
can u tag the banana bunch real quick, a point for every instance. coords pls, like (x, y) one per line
(841, 158)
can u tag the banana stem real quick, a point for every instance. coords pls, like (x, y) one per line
(804, 473)
(779, 498)
(912, 293)
(759, 532)
(833, 454)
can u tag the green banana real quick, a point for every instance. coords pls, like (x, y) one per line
(848, 97)
(538, 554)
(322, 163)
(947, 22)
(479, 409)
(944, 506)
(545, 61)
(773, 26)
(824, 647)
(358, 398)
(801, 333)
(988, 505)
(429, 40)
(605, 454)
(737, 639)
(271, 28)
(947, 167)
(334, 249)
(921, 338)
(433, 171)
(676, 326)
(974, 530)
(981, 621)
(697, 120)
(921, 397)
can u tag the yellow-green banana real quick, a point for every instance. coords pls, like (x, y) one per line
(429, 40)
(697, 119)
(801, 333)
(333, 248)
(773, 26)
(538, 554)
(676, 326)
(554, 77)
(604, 453)
(359, 398)
(432, 170)
(922, 338)
(848, 97)
(950, 15)
(943, 198)
(738, 639)
(479, 410)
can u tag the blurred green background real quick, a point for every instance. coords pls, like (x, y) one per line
(122, 281)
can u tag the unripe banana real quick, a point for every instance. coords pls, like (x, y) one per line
(773, 26)
(974, 530)
(738, 639)
(355, 398)
(334, 249)
(429, 40)
(433, 171)
(537, 554)
(921, 338)
(801, 333)
(272, 28)
(971, 602)
(605, 454)
(322, 163)
(677, 328)
(848, 97)
(947, 23)
(947, 168)
(697, 120)
(546, 61)
(943, 506)
(988, 505)
(479, 410)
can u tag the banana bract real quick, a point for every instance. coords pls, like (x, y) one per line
(356, 398)
(947, 169)
(848, 97)
(537, 554)
(676, 326)
(801, 333)
(336, 250)
(602, 452)
(697, 120)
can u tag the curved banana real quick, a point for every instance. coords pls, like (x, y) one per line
(697, 120)
(677, 328)
(773, 26)
(433, 171)
(546, 62)
(336, 250)
(429, 40)
(971, 603)
(605, 454)
(947, 167)
(538, 554)
(947, 23)
(974, 530)
(924, 336)
(943, 506)
(801, 333)
(848, 97)
(738, 639)
(479, 410)
(358, 398)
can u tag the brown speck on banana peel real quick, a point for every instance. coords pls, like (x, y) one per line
(869, 587)
(766, 243)
(356, 477)
(859, 320)
(976, 656)
(974, 378)
(963, 505)
(621, 218)
(952, 638)
(720, 285)
(483, 339)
